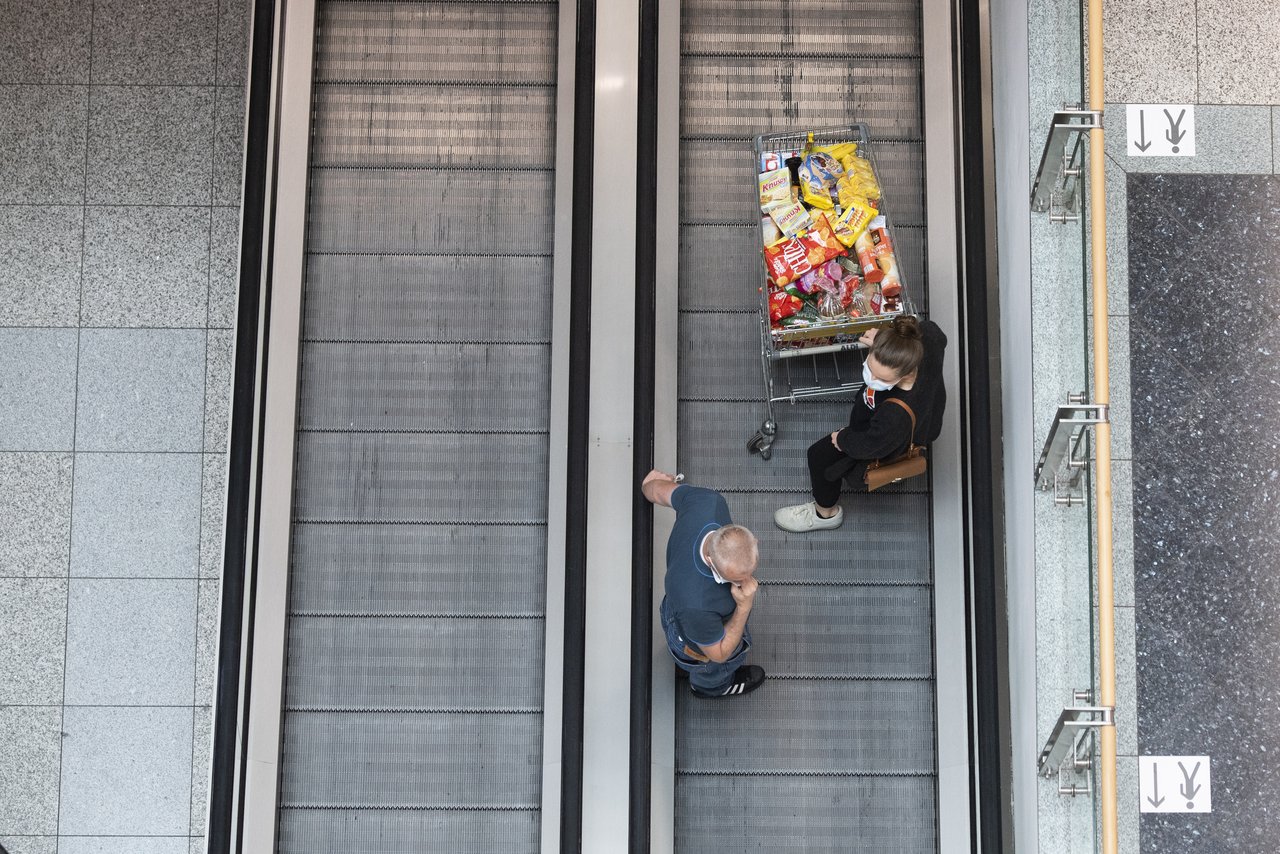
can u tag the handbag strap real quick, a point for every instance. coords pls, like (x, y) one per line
(904, 405)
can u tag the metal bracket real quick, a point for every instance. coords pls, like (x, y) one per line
(1058, 185)
(1066, 453)
(1069, 750)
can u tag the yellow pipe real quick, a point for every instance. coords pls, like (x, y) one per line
(1108, 832)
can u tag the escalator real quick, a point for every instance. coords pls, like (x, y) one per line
(417, 603)
(836, 752)
(413, 692)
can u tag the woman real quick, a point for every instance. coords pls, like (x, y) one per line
(904, 362)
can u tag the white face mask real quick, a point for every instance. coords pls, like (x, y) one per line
(872, 382)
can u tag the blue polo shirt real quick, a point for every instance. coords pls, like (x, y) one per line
(699, 605)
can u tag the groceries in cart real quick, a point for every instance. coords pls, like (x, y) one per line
(830, 266)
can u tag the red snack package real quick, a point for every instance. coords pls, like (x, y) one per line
(791, 259)
(782, 304)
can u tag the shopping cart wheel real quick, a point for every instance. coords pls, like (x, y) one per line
(761, 442)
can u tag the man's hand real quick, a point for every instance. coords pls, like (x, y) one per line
(658, 486)
(744, 593)
(834, 440)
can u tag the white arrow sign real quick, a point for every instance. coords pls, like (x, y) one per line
(1175, 784)
(1162, 130)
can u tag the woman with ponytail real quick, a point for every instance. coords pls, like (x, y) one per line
(903, 362)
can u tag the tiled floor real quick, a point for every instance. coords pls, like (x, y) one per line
(121, 125)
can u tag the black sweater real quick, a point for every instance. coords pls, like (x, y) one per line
(879, 430)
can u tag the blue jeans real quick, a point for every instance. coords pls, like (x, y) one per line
(710, 677)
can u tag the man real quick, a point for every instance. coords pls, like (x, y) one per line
(710, 589)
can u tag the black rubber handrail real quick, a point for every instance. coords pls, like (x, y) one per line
(241, 480)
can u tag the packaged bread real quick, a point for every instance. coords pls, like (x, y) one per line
(770, 232)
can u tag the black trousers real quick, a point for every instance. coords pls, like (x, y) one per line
(828, 466)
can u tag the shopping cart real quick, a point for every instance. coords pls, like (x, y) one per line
(821, 357)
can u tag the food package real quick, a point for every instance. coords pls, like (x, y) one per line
(819, 173)
(791, 259)
(782, 304)
(771, 160)
(891, 284)
(870, 270)
(806, 316)
(770, 232)
(775, 188)
(848, 287)
(823, 278)
(852, 221)
(829, 307)
(791, 218)
(841, 151)
(858, 181)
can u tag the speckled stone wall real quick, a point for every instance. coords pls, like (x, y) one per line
(120, 161)
(1204, 293)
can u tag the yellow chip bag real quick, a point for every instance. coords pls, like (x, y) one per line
(850, 225)
(839, 150)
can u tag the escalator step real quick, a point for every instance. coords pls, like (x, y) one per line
(824, 726)
(415, 568)
(382, 662)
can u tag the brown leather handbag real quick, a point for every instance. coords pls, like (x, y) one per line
(911, 464)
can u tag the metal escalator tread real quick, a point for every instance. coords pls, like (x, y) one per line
(391, 305)
(459, 387)
(457, 831)
(781, 814)
(836, 752)
(413, 689)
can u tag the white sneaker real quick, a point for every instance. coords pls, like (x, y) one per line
(802, 518)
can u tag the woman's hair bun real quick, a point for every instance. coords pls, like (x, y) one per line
(907, 327)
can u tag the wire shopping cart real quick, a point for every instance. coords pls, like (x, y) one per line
(815, 350)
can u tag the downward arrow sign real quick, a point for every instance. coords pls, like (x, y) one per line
(1142, 144)
(1155, 800)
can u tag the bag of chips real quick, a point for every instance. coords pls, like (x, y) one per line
(791, 259)
(818, 176)
(782, 305)
(853, 221)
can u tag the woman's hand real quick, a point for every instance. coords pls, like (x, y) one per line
(835, 441)
(868, 338)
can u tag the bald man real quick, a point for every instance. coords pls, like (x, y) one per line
(710, 589)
